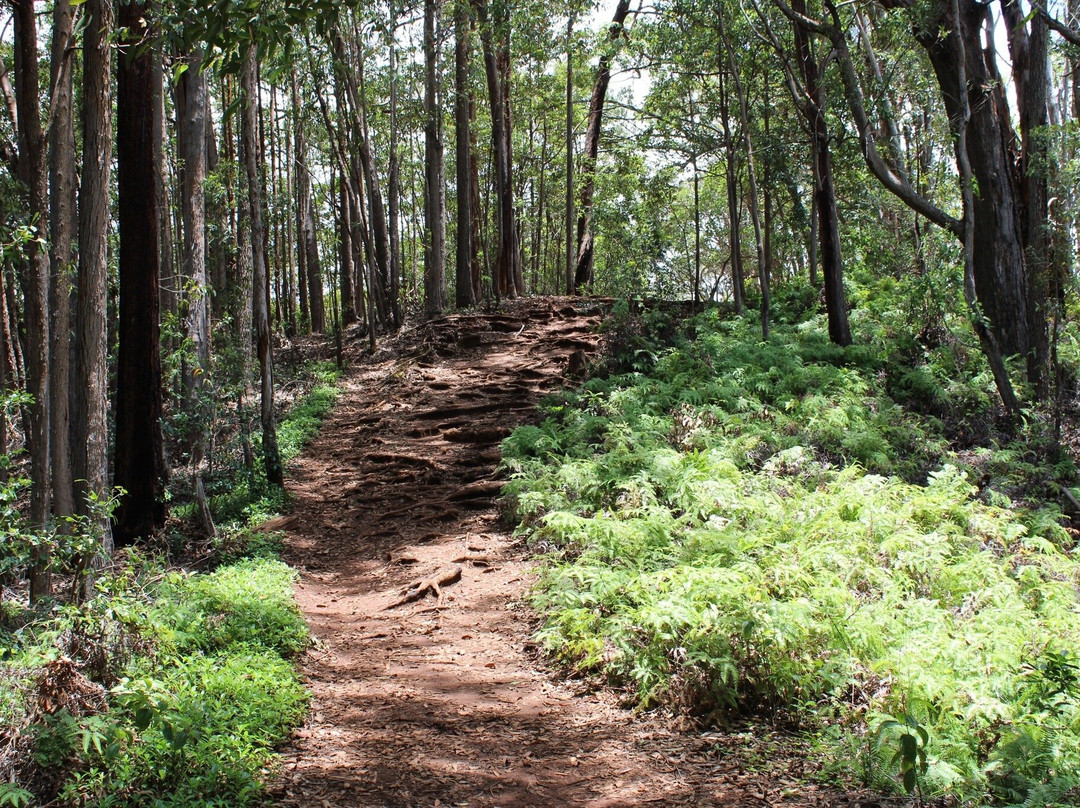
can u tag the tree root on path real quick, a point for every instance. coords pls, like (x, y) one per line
(422, 586)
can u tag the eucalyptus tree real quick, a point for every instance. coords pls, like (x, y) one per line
(583, 272)
(139, 463)
(90, 423)
(508, 278)
(236, 36)
(434, 202)
(1005, 238)
(62, 222)
(466, 267)
(192, 104)
(34, 278)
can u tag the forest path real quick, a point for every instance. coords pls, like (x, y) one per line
(445, 701)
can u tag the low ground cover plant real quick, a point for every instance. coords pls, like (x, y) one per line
(738, 526)
(166, 687)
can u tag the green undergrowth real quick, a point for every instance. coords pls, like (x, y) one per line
(243, 496)
(166, 689)
(745, 527)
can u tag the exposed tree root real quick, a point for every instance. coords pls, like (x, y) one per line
(422, 586)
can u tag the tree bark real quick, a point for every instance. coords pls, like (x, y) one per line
(508, 258)
(953, 40)
(570, 268)
(463, 289)
(309, 244)
(62, 221)
(34, 280)
(434, 226)
(260, 309)
(583, 274)
(387, 297)
(192, 111)
(393, 179)
(345, 252)
(90, 439)
(824, 189)
(139, 453)
(751, 171)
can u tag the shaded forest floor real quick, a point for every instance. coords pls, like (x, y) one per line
(436, 695)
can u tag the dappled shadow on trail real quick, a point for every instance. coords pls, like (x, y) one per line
(441, 699)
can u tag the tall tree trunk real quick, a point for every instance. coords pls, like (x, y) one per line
(301, 187)
(955, 32)
(260, 308)
(192, 110)
(583, 274)
(474, 204)
(309, 244)
(139, 454)
(394, 179)
(967, 176)
(434, 226)
(1031, 70)
(751, 171)
(90, 437)
(34, 279)
(62, 221)
(697, 240)
(570, 268)
(731, 182)
(289, 235)
(508, 259)
(464, 248)
(345, 251)
(169, 291)
(386, 299)
(824, 189)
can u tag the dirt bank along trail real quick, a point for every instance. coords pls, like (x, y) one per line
(427, 688)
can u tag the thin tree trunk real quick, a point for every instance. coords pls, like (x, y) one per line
(464, 248)
(751, 170)
(569, 269)
(192, 110)
(824, 190)
(260, 309)
(394, 179)
(508, 259)
(386, 300)
(168, 280)
(309, 245)
(345, 251)
(434, 234)
(62, 221)
(583, 274)
(34, 280)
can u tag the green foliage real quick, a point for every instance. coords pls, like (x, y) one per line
(12, 795)
(247, 499)
(911, 739)
(305, 417)
(247, 603)
(201, 686)
(760, 527)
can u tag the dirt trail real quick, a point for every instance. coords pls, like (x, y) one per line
(443, 700)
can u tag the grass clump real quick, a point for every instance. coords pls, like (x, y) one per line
(759, 527)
